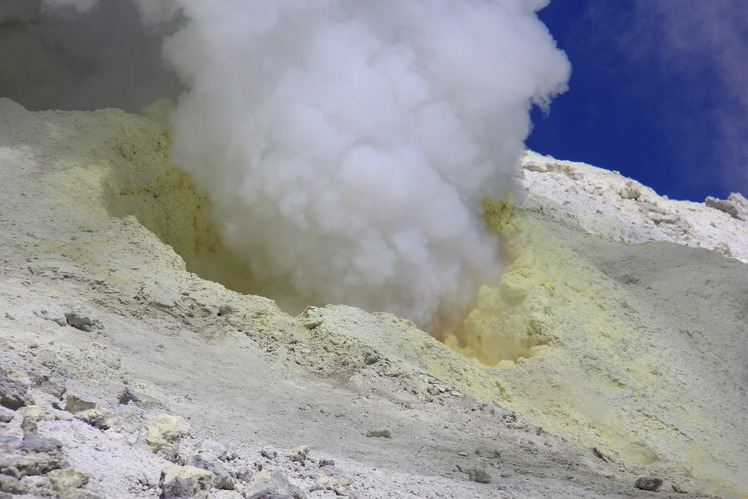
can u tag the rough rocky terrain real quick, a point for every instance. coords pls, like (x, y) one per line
(609, 360)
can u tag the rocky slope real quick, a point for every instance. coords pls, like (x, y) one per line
(612, 350)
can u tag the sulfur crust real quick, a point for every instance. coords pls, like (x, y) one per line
(556, 339)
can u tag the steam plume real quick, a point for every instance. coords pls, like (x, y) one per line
(346, 145)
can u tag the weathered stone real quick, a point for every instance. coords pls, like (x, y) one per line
(95, 417)
(36, 443)
(12, 485)
(51, 382)
(68, 478)
(163, 434)
(140, 399)
(371, 358)
(23, 465)
(272, 485)
(75, 404)
(185, 481)
(6, 416)
(81, 317)
(478, 475)
(268, 453)
(32, 414)
(488, 453)
(13, 394)
(379, 433)
(38, 485)
(80, 494)
(211, 463)
(297, 454)
(54, 313)
(218, 449)
(648, 483)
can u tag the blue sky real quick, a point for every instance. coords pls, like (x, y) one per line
(659, 92)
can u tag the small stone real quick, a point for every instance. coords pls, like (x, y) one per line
(74, 404)
(163, 433)
(68, 478)
(272, 485)
(722, 205)
(13, 394)
(217, 449)
(325, 462)
(488, 453)
(536, 167)
(95, 417)
(222, 479)
(648, 483)
(36, 443)
(379, 433)
(185, 481)
(6, 416)
(52, 383)
(37, 485)
(80, 494)
(371, 358)
(35, 464)
(478, 475)
(54, 313)
(298, 454)
(80, 317)
(12, 485)
(268, 453)
(140, 399)
(32, 414)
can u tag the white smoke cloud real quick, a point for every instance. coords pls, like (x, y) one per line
(346, 146)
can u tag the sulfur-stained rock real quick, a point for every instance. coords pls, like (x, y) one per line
(68, 478)
(185, 481)
(272, 485)
(163, 434)
(13, 394)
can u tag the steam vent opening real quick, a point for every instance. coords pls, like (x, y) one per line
(352, 166)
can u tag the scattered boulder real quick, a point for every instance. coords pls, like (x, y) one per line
(74, 404)
(272, 485)
(163, 434)
(6, 416)
(219, 450)
(478, 475)
(19, 465)
(95, 417)
(36, 443)
(298, 454)
(13, 394)
(54, 313)
(80, 317)
(206, 461)
(140, 399)
(379, 433)
(68, 478)
(80, 494)
(371, 358)
(648, 483)
(185, 481)
(12, 485)
(32, 414)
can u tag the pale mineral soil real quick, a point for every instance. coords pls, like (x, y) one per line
(614, 349)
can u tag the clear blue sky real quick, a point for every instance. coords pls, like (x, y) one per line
(659, 92)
